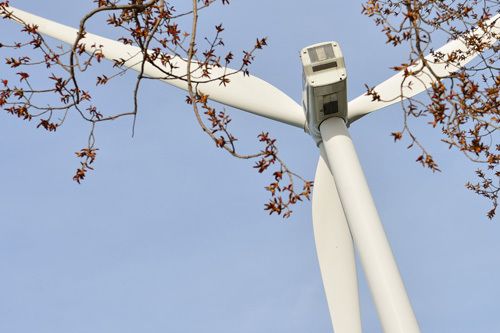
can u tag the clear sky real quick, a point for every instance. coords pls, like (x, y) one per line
(168, 234)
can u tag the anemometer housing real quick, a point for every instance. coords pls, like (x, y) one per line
(324, 84)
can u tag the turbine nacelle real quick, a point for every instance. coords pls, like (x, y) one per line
(324, 84)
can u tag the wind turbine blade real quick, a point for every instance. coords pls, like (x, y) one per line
(391, 89)
(249, 94)
(335, 250)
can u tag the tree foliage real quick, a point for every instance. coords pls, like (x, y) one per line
(154, 27)
(463, 105)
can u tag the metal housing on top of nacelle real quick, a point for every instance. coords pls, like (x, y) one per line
(324, 85)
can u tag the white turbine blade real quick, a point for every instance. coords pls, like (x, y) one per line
(335, 250)
(249, 94)
(391, 89)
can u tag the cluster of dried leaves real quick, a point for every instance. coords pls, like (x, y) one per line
(150, 25)
(465, 106)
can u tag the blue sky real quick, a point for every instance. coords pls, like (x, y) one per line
(168, 234)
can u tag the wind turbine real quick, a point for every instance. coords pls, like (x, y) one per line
(343, 209)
